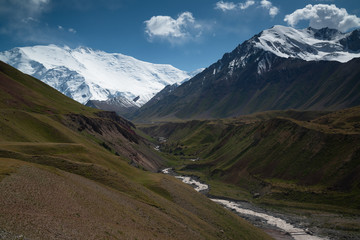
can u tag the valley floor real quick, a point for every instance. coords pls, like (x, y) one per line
(278, 224)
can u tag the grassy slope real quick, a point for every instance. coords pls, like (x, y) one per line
(308, 163)
(54, 176)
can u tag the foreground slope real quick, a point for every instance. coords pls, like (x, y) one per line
(60, 176)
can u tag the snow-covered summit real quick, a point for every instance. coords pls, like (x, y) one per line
(85, 74)
(307, 44)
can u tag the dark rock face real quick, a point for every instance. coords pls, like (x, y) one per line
(250, 79)
(290, 83)
(352, 42)
(107, 124)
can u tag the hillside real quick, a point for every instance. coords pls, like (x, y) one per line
(66, 172)
(306, 163)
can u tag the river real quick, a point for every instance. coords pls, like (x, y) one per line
(279, 223)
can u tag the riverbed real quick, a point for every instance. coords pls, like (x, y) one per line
(244, 209)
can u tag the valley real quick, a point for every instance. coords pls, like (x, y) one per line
(290, 163)
(274, 226)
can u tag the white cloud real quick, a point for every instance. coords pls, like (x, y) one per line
(228, 6)
(225, 6)
(266, 4)
(184, 28)
(273, 11)
(247, 4)
(324, 15)
(72, 30)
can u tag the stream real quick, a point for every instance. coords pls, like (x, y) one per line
(246, 210)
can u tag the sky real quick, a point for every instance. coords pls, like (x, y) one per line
(188, 34)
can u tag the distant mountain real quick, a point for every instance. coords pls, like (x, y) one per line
(126, 107)
(279, 68)
(85, 74)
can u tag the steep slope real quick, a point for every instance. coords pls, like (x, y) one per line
(271, 71)
(85, 74)
(60, 176)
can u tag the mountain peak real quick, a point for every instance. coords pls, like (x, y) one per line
(84, 73)
(308, 44)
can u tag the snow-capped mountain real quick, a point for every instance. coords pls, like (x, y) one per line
(278, 68)
(307, 44)
(85, 74)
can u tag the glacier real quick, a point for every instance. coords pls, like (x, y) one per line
(85, 74)
(307, 44)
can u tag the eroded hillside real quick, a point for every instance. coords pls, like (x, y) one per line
(66, 172)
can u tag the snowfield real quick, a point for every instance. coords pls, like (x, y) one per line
(85, 74)
(308, 44)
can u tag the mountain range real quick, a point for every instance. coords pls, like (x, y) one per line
(279, 68)
(85, 74)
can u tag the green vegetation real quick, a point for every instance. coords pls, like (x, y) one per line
(287, 160)
(65, 169)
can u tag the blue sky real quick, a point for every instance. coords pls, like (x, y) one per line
(187, 34)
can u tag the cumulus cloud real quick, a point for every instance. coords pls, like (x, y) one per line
(225, 6)
(324, 15)
(273, 11)
(228, 6)
(178, 30)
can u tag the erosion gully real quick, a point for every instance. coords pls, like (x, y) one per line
(275, 226)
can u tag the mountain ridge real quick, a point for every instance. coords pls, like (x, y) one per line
(252, 78)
